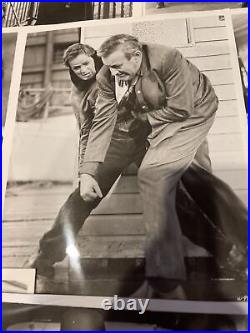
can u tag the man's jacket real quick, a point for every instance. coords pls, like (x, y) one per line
(190, 100)
(83, 103)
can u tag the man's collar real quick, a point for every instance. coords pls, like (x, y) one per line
(144, 67)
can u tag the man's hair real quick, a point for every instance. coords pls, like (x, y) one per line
(129, 44)
(74, 50)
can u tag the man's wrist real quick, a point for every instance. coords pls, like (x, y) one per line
(89, 168)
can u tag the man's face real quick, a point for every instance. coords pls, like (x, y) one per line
(122, 67)
(83, 66)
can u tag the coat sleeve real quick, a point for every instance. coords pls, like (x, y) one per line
(177, 77)
(102, 129)
(83, 139)
(75, 99)
(84, 113)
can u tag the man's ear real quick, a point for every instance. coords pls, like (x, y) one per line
(138, 55)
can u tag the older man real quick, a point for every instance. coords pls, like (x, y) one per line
(179, 104)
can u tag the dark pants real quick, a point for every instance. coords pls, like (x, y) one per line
(217, 235)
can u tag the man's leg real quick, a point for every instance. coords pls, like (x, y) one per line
(158, 175)
(75, 210)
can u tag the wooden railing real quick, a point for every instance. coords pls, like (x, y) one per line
(104, 10)
(36, 103)
(25, 13)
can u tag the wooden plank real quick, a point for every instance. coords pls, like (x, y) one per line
(225, 92)
(228, 160)
(113, 225)
(226, 125)
(206, 49)
(46, 188)
(14, 233)
(22, 208)
(112, 247)
(225, 142)
(126, 247)
(209, 21)
(17, 251)
(120, 204)
(126, 184)
(227, 108)
(223, 76)
(237, 179)
(212, 63)
(31, 207)
(106, 30)
(14, 262)
(209, 34)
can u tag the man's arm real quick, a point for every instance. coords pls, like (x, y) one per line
(84, 115)
(102, 129)
(177, 77)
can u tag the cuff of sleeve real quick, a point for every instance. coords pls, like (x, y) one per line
(89, 168)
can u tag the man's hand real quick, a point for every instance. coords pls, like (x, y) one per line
(89, 188)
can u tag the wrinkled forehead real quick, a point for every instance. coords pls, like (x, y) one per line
(79, 59)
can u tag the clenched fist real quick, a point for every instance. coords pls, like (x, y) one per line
(89, 188)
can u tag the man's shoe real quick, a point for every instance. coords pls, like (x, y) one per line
(43, 265)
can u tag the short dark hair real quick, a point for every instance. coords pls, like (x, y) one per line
(129, 43)
(74, 50)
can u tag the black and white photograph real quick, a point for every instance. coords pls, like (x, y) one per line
(8, 53)
(128, 169)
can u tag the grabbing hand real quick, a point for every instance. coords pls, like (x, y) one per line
(89, 188)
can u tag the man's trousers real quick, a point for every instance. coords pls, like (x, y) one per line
(159, 204)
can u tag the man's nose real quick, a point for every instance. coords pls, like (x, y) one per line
(83, 69)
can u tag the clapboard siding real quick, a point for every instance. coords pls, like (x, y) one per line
(211, 21)
(226, 125)
(209, 34)
(212, 54)
(212, 63)
(212, 48)
(221, 76)
(229, 160)
(227, 108)
(224, 142)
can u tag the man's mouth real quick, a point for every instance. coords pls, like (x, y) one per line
(85, 75)
(120, 75)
